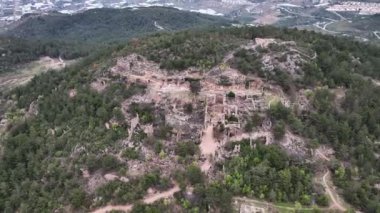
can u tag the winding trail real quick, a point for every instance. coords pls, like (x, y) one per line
(153, 198)
(324, 27)
(134, 122)
(337, 204)
(337, 201)
(148, 199)
(377, 34)
(319, 153)
(159, 27)
(304, 15)
(327, 24)
(125, 208)
(340, 16)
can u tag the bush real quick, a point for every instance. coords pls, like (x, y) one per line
(130, 153)
(77, 198)
(145, 112)
(194, 174)
(232, 118)
(224, 81)
(322, 200)
(184, 149)
(279, 130)
(231, 95)
(247, 62)
(195, 86)
(188, 107)
(163, 131)
(253, 122)
(109, 162)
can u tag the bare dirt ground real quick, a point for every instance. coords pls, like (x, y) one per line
(267, 19)
(254, 136)
(170, 92)
(248, 205)
(324, 153)
(124, 208)
(208, 148)
(27, 72)
(150, 198)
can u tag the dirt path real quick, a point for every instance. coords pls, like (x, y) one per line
(337, 202)
(374, 81)
(377, 34)
(340, 16)
(159, 27)
(304, 54)
(208, 147)
(134, 122)
(153, 198)
(320, 154)
(327, 24)
(323, 28)
(304, 15)
(334, 196)
(148, 199)
(125, 208)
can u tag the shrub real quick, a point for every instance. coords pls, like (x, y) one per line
(184, 149)
(231, 95)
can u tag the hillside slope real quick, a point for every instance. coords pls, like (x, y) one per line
(16, 52)
(72, 36)
(101, 25)
(201, 116)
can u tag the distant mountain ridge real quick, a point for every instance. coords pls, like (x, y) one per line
(73, 36)
(110, 24)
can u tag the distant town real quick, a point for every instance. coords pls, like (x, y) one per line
(363, 8)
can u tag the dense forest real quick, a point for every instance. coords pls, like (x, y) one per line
(73, 36)
(16, 52)
(268, 173)
(104, 25)
(41, 156)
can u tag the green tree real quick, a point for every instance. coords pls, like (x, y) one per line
(194, 174)
(195, 86)
(279, 130)
(77, 198)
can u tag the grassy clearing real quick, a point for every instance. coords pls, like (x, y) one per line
(276, 207)
(11, 80)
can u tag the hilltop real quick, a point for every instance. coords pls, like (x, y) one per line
(201, 118)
